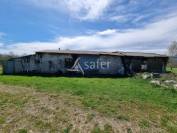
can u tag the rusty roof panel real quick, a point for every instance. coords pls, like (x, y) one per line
(116, 53)
(78, 52)
(140, 54)
(68, 52)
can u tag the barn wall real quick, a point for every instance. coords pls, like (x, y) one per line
(60, 64)
(156, 65)
(115, 67)
(104, 65)
(8, 67)
(144, 64)
(25, 64)
(51, 63)
(86, 64)
(136, 64)
(133, 64)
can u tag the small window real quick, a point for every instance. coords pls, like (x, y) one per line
(144, 66)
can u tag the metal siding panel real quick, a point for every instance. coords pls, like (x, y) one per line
(115, 67)
(57, 64)
(9, 67)
(155, 65)
(85, 61)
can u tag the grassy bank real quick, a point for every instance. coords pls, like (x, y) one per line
(122, 89)
(130, 99)
(173, 70)
(0, 69)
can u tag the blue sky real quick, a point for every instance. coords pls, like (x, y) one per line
(27, 26)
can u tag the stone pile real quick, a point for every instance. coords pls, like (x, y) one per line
(155, 80)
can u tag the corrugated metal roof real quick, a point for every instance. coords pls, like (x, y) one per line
(116, 53)
(25, 56)
(141, 54)
(78, 52)
(69, 52)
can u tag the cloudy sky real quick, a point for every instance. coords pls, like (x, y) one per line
(107, 25)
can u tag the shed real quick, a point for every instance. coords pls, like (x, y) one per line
(86, 63)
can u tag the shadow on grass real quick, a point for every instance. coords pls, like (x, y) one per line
(68, 75)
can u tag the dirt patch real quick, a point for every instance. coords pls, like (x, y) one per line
(27, 110)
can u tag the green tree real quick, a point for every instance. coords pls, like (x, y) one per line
(172, 52)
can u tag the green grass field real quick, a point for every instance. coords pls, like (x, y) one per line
(174, 70)
(0, 69)
(131, 99)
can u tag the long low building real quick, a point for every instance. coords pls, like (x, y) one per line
(86, 63)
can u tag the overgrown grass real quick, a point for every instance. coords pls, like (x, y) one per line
(0, 69)
(173, 70)
(99, 90)
(122, 98)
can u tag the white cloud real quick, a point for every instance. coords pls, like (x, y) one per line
(87, 9)
(81, 9)
(107, 32)
(121, 11)
(119, 18)
(154, 37)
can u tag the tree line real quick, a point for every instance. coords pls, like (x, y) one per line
(172, 52)
(5, 57)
